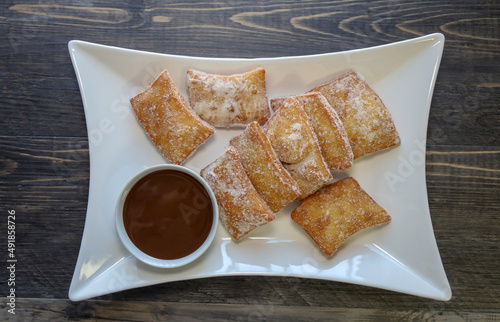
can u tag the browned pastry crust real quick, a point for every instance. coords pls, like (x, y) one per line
(273, 183)
(169, 122)
(293, 139)
(366, 119)
(233, 100)
(336, 212)
(332, 137)
(240, 207)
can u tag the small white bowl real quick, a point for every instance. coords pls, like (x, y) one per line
(139, 254)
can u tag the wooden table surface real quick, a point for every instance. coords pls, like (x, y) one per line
(44, 166)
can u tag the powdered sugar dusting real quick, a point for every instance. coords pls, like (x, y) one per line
(273, 183)
(296, 145)
(328, 127)
(367, 121)
(229, 100)
(336, 212)
(243, 209)
(165, 116)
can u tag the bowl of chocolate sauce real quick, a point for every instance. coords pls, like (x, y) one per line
(167, 216)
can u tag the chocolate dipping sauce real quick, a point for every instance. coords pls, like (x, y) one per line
(168, 214)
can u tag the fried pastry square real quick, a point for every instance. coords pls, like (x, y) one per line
(366, 119)
(273, 183)
(336, 212)
(293, 139)
(332, 137)
(169, 122)
(240, 207)
(234, 100)
(278, 101)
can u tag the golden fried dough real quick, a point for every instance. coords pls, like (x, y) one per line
(233, 100)
(293, 139)
(332, 137)
(240, 207)
(366, 119)
(336, 212)
(169, 122)
(273, 183)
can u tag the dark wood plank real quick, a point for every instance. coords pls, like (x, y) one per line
(45, 180)
(56, 310)
(464, 189)
(40, 95)
(44, 150)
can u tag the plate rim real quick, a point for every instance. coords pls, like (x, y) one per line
(438, 39)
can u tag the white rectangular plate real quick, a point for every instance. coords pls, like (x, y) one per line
(401, 256)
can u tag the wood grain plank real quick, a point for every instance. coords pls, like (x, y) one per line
(56, 310)
(44, 151)
(40, 95)
(463, 198)
(46, 181)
